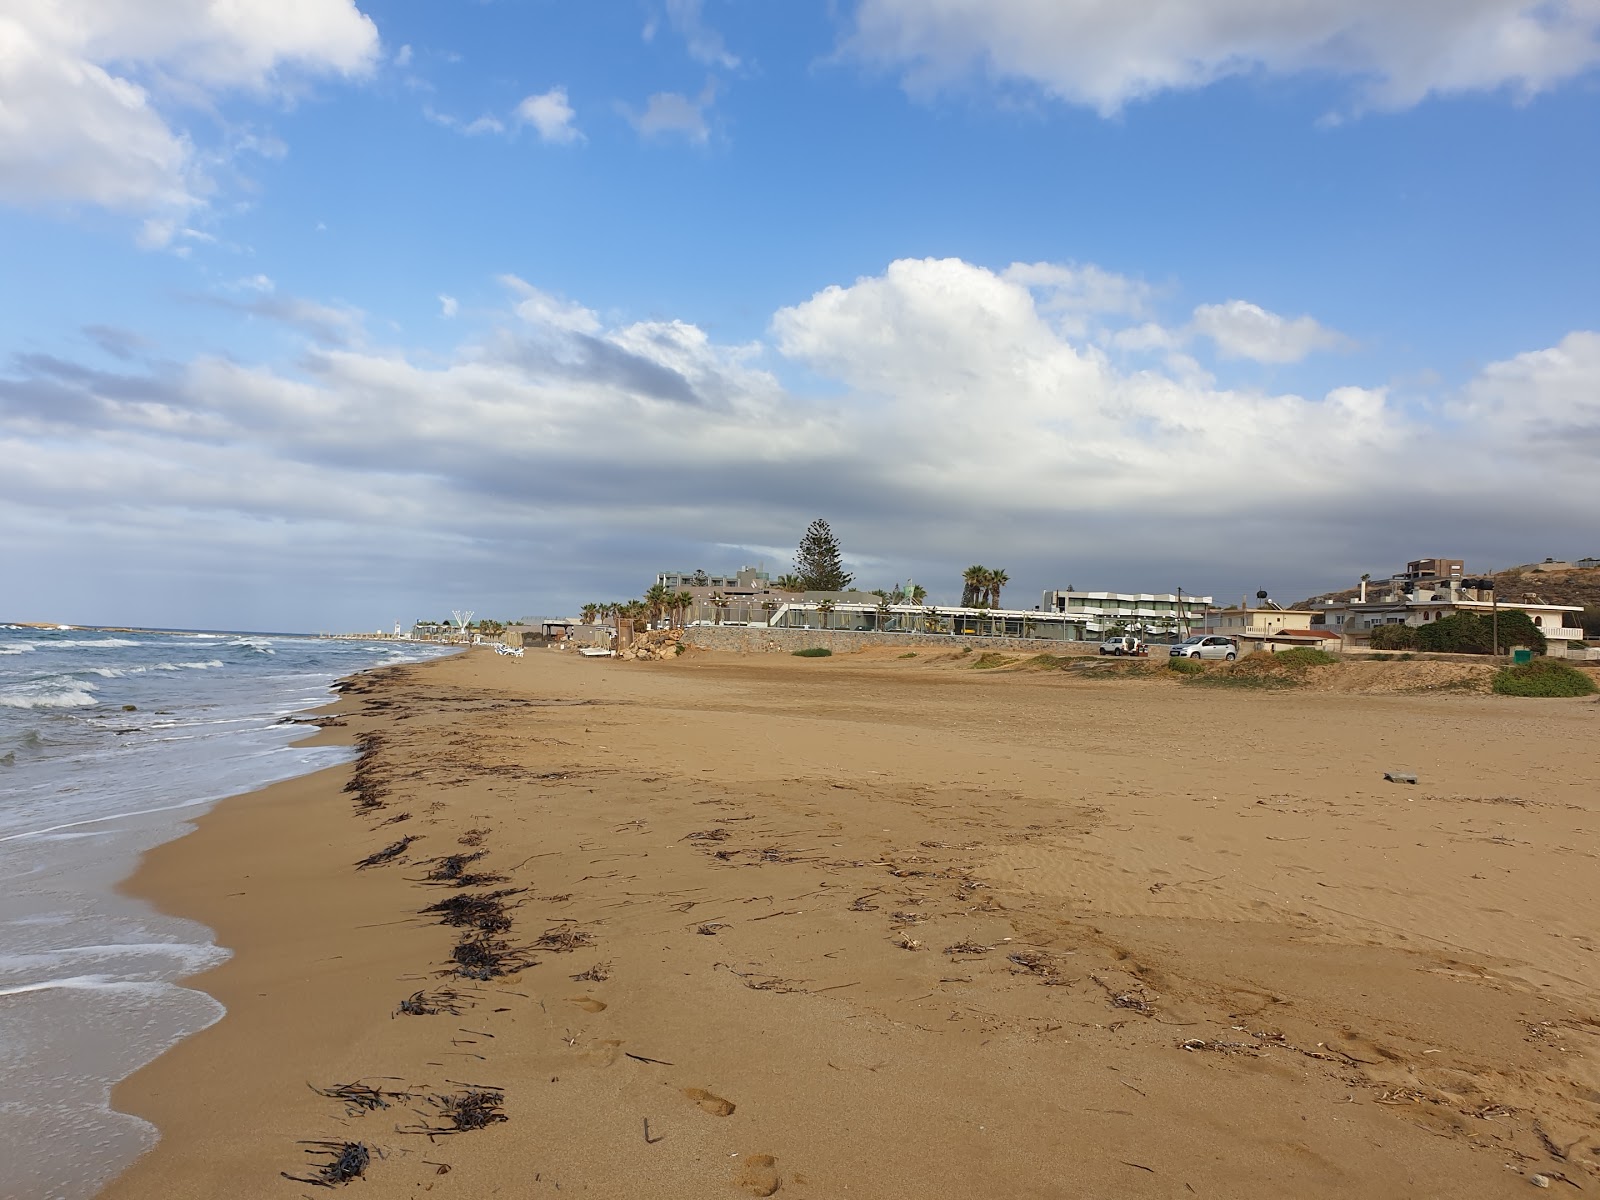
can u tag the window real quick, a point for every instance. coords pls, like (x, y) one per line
(1538, 620)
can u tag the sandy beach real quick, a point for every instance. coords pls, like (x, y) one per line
(869, 926)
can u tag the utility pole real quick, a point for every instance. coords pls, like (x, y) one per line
(1183, 625)
(1494, 609)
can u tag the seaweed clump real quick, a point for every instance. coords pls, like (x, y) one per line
(388, 854)
(485, 911)
(344, 1161)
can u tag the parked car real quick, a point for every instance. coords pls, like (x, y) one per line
(1205, 646)
(1123, 645)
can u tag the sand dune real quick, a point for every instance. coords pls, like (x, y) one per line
(864, 926)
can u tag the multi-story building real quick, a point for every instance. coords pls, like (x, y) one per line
(1420, 569)
(1166, 614)
(747, 580)
(1407, 599)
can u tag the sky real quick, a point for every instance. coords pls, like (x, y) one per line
(324, 315)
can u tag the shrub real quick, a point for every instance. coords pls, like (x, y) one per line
(1393, 637)
(1547, 677)
(814, 652)
(985, 662)
(1470, 633)
(1186, 666)
(1307, 656)
(909, 654)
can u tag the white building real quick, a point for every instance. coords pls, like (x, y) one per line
(1417, 602)
(1161, 614)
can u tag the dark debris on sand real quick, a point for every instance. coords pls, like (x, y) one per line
(344, 1161)
(388, 854)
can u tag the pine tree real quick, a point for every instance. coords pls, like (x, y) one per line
(817, 561)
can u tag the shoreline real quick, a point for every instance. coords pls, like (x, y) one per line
(871, 927)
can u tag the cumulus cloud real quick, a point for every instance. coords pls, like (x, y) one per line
(1244, 330)
(672, 114)
(1105, 54)
(448, 306)
(958, 418)
(95, 93)
(551, 115)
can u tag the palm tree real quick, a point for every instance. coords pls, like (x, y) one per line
(590, 612)
(789, 583)
(685, 605)
(997, 580)
(918, 593)
(883, 610)
(720, 603)
(825, 607)
(975, 578)
(657, 599)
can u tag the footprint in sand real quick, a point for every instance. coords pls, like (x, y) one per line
(587, 1003)
(715, 1105)
(759, 1175)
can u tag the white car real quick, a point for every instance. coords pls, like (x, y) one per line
(1205, 646)
(1122, 645)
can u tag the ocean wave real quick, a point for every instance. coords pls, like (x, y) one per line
(18, 648)
(78, 643)
(53, 691)
(251, 644)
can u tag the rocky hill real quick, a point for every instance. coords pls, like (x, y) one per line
(1535, 580)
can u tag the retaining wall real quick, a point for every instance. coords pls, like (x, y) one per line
(759, 639)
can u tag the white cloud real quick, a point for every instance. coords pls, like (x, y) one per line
(94, 90)
(487, 123)
(551, 114)
(1547, 401)
(957, 416)
(1244, 330)
(448, 306)
(1106, 53)
(704, 44)
(402, 56)
(541, 309)
(672, 114)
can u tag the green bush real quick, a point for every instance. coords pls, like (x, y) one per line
(1393, 637)
(909, 654)
(1472, 633)
(1306, 656)
(814, 652)
(1186, 666)
(1546, 677)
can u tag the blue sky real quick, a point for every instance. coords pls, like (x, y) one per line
(357, 313)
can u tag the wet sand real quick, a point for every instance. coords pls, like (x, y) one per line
(884, 928)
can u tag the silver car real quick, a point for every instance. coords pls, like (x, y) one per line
(1207, 645)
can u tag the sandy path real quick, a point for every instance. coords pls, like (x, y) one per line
(945, 935)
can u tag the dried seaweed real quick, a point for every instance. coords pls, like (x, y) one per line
(345, 1161)
(563, 941)
(452, 869)
(359, 1097)
(478, 956)
(485, 911)
(968, 946)
(477, 1107)
(388, 854)
(598, 973)
(426, 1004)
(706, 835)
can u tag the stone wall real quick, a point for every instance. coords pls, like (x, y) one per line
(758, 639)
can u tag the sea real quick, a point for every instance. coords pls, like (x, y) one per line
(111, 743)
